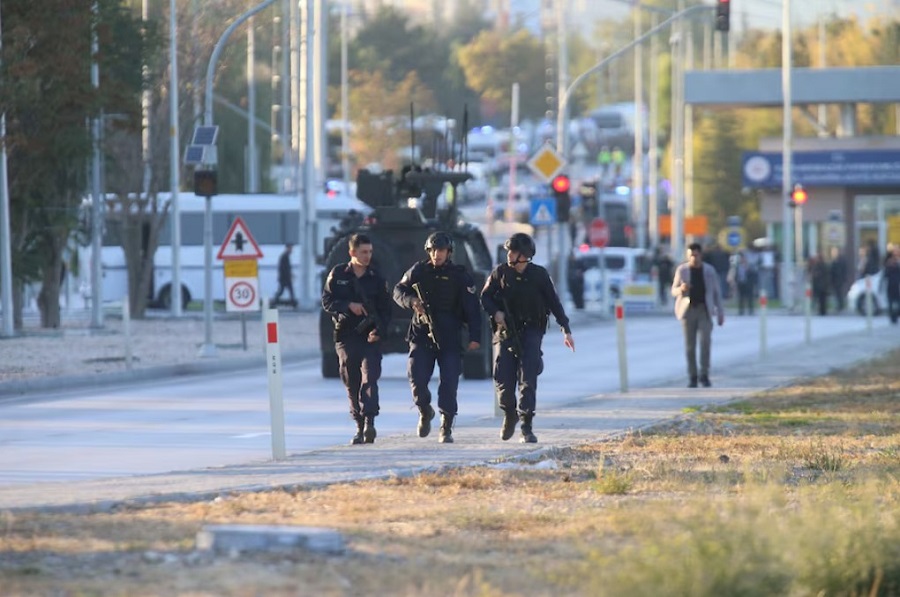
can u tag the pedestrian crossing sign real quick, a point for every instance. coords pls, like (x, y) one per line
(543, 211)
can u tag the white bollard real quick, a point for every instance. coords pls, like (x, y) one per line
(807, 305)
(623, 356)
(276, 401)
(763, 331)
(126, 329)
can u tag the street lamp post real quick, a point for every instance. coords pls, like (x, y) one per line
(6, 302)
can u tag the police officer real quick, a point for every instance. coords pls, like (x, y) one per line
(357, 298)
(519, 296)
(438, 289)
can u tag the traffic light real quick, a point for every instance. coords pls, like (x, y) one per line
(588, 192)
(205, 183)
(798, 196)
(561, 186)
(723, 15)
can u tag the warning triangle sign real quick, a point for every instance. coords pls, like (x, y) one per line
(239, 243)
(543, 215)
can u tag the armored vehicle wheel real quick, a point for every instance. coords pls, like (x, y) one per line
(330, 366)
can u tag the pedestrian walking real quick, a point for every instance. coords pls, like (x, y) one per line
(442, 296)
(285, 277)
(819, 283)
(837, 275)
(357, 298)
(664, 266)
(891, 278)
(698, 298)
(618, 160)
(604, 160)
(520, 296)
(743, 277)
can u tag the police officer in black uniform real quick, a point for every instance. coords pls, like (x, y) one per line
(358, 300)
(519, 296)
(446, 293)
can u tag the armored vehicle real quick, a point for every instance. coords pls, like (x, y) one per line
(405, 213)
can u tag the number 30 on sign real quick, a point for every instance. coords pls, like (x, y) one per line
(242, 294)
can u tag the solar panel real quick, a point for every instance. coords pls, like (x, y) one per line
(193, 155)
(205, 135)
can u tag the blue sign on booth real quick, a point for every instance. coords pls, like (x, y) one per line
(734, 238)
(824, 168)
(543, 211)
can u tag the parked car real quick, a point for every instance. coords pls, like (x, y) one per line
(856, 296)
(625, 267)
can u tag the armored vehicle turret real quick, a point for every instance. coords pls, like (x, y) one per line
(405, 212)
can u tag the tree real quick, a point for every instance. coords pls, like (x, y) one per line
(48, 98)
(381, 127)
(492, 62)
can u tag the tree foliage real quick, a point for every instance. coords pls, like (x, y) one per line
(48, 98)
(492, 62)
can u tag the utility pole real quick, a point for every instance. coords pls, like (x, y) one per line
(637, 163)
(175, 165)
(6, 302)
(96, 196)
(789, 279)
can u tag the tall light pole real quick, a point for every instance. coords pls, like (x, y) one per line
(96, 197)
(789, 276)
(637, 174)
(6, 302)
(653, 150)
(174, 165)
(345, 102)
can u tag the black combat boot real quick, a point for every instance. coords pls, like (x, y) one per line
(426, 414)
(446, 429)
(358, 438)
(527, 436)
(369, 432)
(509, 425)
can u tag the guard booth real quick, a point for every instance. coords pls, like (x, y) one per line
(853, 185)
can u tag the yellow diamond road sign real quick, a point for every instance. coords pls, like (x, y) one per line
(546, 163)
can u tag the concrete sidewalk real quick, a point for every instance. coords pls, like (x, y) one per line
(591, 419)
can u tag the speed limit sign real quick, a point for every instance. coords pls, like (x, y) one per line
(242, 294)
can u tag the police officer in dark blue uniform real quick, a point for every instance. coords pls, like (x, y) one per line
(519, 296)
(358, 300)
(439, 290)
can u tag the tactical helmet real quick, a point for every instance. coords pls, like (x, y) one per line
(439, 240)
(521, 243)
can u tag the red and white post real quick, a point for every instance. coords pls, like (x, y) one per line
(623, 356)
(276, 400)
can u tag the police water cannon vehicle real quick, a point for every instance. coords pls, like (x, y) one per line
(404, 213)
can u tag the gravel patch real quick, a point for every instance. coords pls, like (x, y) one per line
(76, 349)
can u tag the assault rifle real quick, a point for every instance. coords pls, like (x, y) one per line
(427, 319)
(370, 320)
(511, 329)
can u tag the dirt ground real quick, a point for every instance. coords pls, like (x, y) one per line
(579, 522)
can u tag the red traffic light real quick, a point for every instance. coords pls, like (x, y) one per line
(799, 195)
(561, 184)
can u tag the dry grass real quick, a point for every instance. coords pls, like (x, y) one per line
(794, 492)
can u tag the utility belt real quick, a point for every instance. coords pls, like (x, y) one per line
(530, 324)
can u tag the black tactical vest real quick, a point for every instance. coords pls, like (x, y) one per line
(441, 288)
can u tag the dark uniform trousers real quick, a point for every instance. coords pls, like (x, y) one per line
(423, 357)
(360, 368)
(509, 369)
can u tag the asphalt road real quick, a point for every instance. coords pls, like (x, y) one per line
(222, 418)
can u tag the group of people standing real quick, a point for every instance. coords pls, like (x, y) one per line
(518, 295)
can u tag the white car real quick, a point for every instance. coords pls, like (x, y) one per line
(856, 296)
(625, 267)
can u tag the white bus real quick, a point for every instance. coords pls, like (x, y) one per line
(273, 221)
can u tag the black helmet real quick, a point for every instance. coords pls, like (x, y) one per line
(439, 240)
(521, 243)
